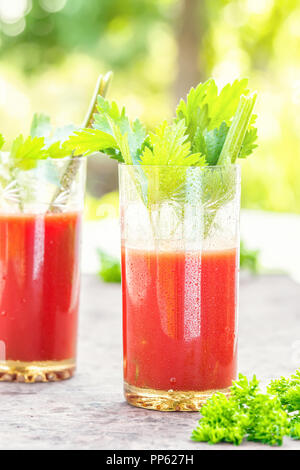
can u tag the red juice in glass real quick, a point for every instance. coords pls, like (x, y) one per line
(180, 262)
(179, 319)
(39, 295)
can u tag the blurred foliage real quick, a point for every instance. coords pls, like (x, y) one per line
(108, 206)
(249, 259)
(53, 50)
(54, 28)
(102, 208)
(110, 267)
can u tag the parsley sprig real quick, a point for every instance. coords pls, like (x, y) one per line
(250, 414)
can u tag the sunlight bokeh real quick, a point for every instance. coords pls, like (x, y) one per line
(52, 52)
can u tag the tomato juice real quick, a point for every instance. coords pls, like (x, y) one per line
(39, 286)
(179, 319)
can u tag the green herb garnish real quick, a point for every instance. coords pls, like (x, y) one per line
(250, 414)
(112, 133)
(209, 125)
(25, 155)
(210, 115)
(288, 391)
(210, 128)
(44, 143)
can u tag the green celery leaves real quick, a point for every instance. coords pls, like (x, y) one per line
(112, 134)
(210, 115)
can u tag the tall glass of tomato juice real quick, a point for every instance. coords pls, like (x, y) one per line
(180, 252)
(40, 231)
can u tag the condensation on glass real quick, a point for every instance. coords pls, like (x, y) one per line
(40, 232)
(180, 258)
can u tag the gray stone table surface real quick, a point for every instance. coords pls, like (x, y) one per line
(89, 412)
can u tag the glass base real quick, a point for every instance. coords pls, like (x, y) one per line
(36, 371)
(168, 400)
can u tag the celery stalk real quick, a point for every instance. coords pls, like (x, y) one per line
(237, 131)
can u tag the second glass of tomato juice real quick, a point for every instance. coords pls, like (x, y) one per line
(180, 252)
(40, 229)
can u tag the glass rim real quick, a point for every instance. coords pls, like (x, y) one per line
(215, 167)
(62, 159)
(59, 159)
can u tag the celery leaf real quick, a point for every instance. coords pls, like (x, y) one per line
(25, 152)
(170, 151)
(209, 115)
(169, 146)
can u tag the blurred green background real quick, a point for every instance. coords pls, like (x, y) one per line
(51, 52)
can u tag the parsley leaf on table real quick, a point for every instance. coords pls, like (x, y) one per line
(250, 414)
(222, 421)
(288, 391)
(295, 427)
(268, 422)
